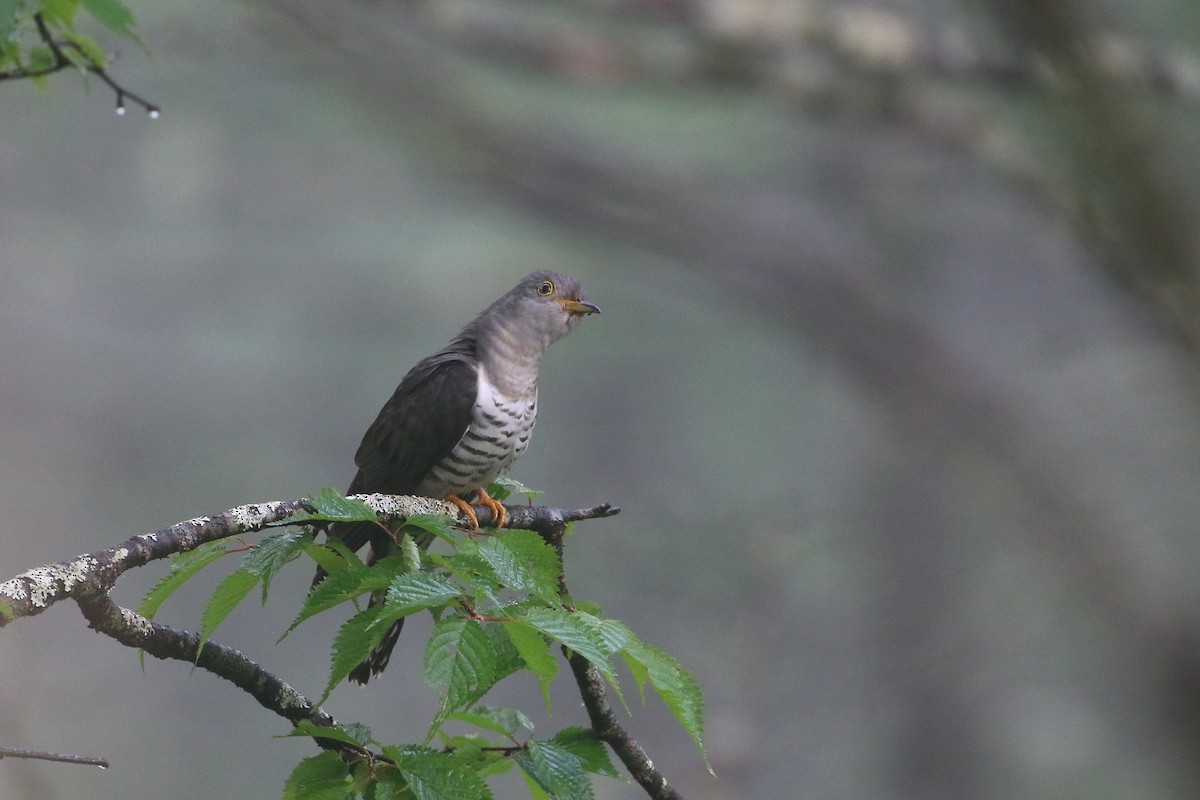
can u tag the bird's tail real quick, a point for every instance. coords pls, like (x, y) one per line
(379, 657)
(355, 535)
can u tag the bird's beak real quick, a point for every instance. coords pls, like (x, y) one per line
(579, 306)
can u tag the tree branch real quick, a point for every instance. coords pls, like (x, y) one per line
(34, 591)
(88, 578)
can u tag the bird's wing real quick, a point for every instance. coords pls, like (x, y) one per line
(421, 423)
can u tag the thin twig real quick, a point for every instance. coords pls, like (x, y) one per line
(67, 758)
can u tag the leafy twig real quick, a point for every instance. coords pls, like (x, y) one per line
(85, 62)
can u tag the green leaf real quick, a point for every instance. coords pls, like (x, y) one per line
(352, 644)
(469, 567)
(674, 684)
(355, 734)
(504, 487)
(320, 777)
(439, 525)
(535, 652)
(414, 591)
(268, 556)
(332, 555)
(523, 561)
(578, 632)
(586, 745)
(558, 771)
(410, 553)
(183, 567)
(337, 588)
(504, 721)
(461, 657)
(225, 599)
(113, 14)
(332, 506)
(434, 775)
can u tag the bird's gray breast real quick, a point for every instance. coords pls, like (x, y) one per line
(499, 432)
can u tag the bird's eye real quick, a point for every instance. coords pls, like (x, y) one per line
(545, 288)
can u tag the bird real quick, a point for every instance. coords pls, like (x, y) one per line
(461, 417)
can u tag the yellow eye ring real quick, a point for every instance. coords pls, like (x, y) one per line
(545, 288)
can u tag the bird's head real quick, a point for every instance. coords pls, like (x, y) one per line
(545, 306)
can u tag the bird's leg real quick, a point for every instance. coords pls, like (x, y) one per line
(451, 497)
(498, 513)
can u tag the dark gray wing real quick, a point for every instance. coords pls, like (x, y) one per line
(421, 423)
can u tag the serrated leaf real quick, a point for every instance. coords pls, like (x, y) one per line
(224, 599)
(559, 772)
(354, 734)
(434, 775)
(586, 745)
(504, 487)
(504, 721)
(352, 644)
(330, 505)
(332, 555)
(439, 525)
(535, 652)
(469, 567)
(674, 684)
(336, 589)
(615, 635)
(319, 777)
(414, 591)
(268, 556)
(410, 553)
(183, 567)
(461, 657)
(577, 632)
(523, 561)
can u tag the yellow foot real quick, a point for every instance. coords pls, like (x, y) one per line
(498, 513)
(465, 507)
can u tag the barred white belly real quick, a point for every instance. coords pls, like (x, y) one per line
(499, 432)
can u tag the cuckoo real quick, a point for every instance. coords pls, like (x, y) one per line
(461, 417)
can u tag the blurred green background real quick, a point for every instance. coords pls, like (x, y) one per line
(895, 381)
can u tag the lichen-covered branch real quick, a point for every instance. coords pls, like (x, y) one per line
(34, 591)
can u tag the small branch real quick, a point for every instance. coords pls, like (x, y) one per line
(599, 710)
(92, 761)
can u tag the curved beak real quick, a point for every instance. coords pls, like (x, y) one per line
(579, 306)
